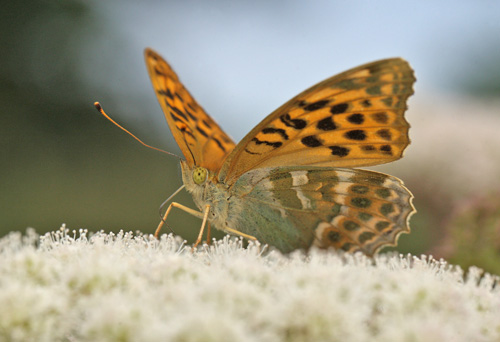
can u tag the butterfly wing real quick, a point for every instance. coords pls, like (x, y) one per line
(200, 139)
(297, 207)
(352, 119)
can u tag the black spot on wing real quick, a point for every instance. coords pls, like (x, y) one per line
(175, 117)
(167, 93)
(202, 132)
(381, 225)
(339, 151)
(361, 202)
(226, 139)
(180, 113)
(179, 97)
(187, 131)
(365, 236)
(386, 208)
(359, 189)
(301, 103)
(194, 118)
(346, 246)
(316, 105)
(254, 153)
(280, 131)
(339, 108)
(366, 103)
(334, 236)
(386, 149)
(380, 117)
(351, 225)
(206, 123)
(384, 134)
(376, 68)
(190, 105)
(219, 144)
(326, 124)
(355, 134)
(356, 118)
(294, 123)
(273, 144)
(311, 141)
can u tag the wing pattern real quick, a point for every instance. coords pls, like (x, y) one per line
(199, 137)
(352, 119)
(352, 210)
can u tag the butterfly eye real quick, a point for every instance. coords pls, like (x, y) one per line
(200, 175)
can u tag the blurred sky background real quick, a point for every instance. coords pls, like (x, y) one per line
(64, 163)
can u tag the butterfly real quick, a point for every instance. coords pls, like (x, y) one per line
(290, 182)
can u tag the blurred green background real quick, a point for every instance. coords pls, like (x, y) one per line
(64, 163)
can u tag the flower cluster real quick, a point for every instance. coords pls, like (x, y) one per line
(132, 287)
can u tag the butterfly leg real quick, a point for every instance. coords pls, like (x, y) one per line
(206, 223)
(203, 216)
(236, 232)
(180, 206)
(203, 224)
(208, 232)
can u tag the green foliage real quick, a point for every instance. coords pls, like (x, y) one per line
(473, 234)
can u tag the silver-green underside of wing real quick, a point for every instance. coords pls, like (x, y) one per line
(297, 207)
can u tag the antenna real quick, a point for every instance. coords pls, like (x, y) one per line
(97, 105)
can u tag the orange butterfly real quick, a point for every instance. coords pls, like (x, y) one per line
(289, 183)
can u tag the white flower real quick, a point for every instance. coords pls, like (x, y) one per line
(126, 287)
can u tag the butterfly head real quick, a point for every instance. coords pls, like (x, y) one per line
(200, 175)
(194, 177)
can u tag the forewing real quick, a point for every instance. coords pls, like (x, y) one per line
(353, 119)
(200, 139)
(352, 210)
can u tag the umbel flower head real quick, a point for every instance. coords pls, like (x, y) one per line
(132, 287)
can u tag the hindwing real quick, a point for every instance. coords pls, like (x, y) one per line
(352, 210)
